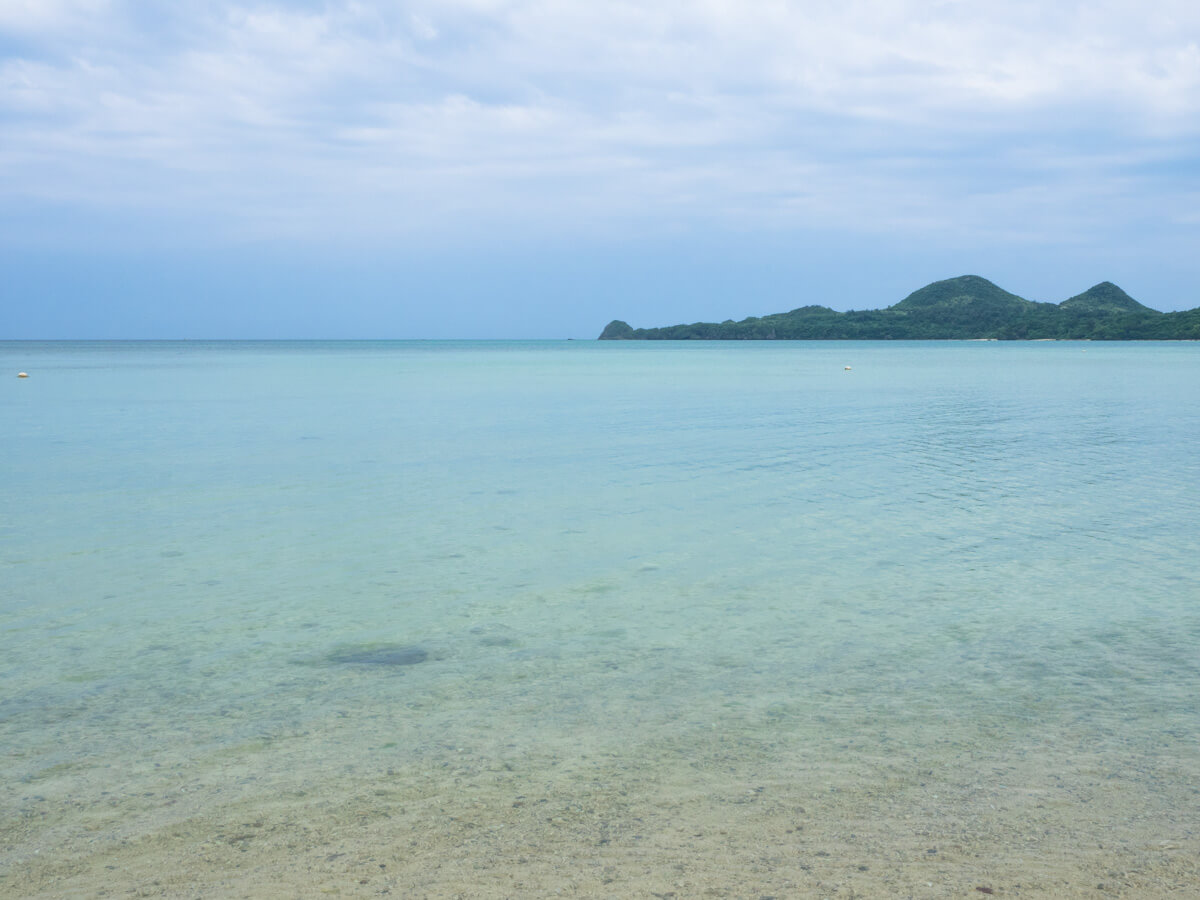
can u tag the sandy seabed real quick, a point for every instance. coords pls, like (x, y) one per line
(602, 810)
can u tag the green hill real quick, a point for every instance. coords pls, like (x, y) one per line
(1105, 297)
(964, 292)
(963, 308)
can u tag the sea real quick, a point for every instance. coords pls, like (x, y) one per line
(610, 619)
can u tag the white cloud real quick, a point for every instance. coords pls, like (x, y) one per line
(326, 118)
(39, 16)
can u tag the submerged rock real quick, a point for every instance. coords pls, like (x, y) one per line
(378, 655)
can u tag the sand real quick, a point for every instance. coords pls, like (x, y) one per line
(763, 810)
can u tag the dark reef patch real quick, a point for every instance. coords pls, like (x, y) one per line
(499, 640)
(378, 655)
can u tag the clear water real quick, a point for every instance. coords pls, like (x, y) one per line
(697, 558)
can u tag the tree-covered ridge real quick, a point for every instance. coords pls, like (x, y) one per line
(963, 308)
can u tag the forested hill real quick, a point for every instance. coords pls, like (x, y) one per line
(964, 308)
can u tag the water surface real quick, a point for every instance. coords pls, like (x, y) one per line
(608, 608)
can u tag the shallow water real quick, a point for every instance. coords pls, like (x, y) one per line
(342, 588)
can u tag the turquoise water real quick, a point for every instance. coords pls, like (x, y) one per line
(949, 550)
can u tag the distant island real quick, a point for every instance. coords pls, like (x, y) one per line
(964, 308)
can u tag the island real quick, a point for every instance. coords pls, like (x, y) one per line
(963, 308)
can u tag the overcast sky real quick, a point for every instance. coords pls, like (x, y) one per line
(534, 168)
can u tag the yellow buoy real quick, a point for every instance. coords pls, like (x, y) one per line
(22, 375)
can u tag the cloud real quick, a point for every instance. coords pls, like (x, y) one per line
(349, 120)
(38, 17)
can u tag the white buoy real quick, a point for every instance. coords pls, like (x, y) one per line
(22, 375)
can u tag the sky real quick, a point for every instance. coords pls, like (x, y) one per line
(536, 168)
